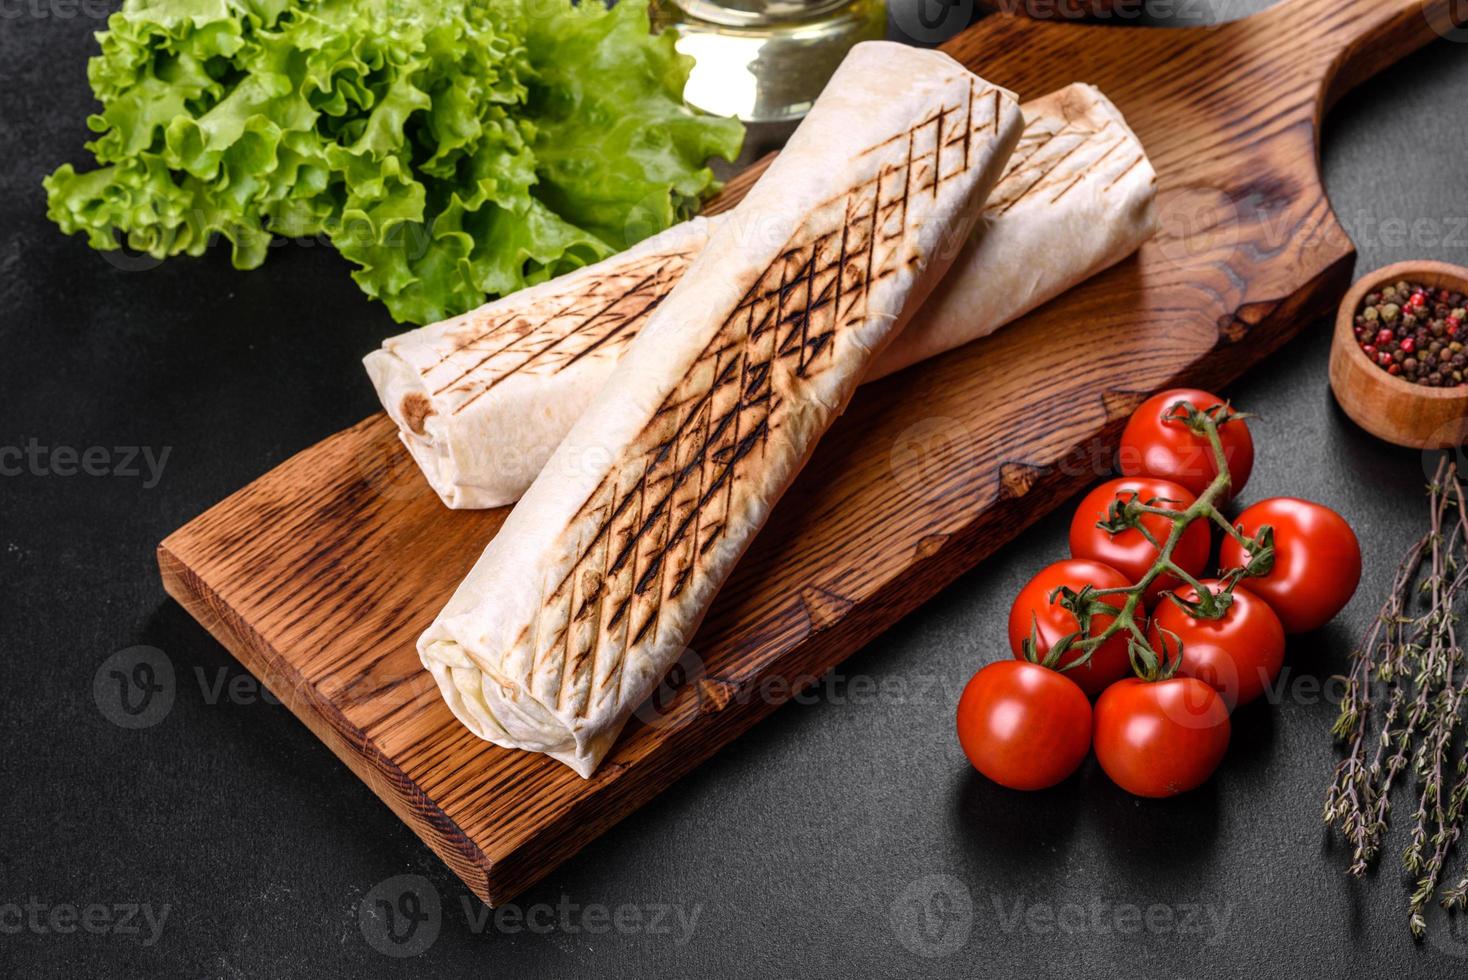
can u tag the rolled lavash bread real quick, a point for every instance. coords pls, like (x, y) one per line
(600, 575)
(1079, 195)
(483, 399)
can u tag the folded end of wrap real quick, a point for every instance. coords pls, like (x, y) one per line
(411, 410)
(501, 711)
(426, 434)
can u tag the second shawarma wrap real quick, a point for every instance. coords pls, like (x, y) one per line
(600, 575)
(483, 399)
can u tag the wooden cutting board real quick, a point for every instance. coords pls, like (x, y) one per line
(320, 575)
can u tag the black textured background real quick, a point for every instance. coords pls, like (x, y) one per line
(804, 848)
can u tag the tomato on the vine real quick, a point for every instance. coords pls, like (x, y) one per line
(1052, 622)
(1160, 738)
(1022, 725)
(1155, 445)
(1130, 552)
(1317, 561)
(1238, 655)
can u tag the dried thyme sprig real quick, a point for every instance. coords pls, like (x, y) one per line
(1412, 664)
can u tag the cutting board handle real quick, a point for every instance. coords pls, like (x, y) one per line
(1352, 40)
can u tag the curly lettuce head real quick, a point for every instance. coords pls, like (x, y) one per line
(452, 151)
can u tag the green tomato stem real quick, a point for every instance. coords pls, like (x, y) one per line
(1204, 508)
(1230, 529)
(1178, 572)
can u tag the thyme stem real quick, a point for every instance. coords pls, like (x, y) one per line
(1409, 670)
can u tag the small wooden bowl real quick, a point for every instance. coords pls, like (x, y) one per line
(1388, 407)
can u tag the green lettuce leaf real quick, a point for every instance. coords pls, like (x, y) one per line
(452, 151)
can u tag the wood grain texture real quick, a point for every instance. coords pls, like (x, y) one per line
(320, 575)
(1391, 408)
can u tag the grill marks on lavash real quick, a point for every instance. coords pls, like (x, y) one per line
(1060, 149)
(641, 534)
(604, 313)
(1055, 153)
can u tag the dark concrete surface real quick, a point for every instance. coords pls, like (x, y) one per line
(845, 835)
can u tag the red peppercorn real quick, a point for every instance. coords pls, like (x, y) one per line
(1395, 369)
(1369, 349)
(1443, 295)
(1419, 299)
(1383, 358)
(1384, 336)
(1408, 345)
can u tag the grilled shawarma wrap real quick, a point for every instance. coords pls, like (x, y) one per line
(600, 575)
(482, 400)
(1079, 195)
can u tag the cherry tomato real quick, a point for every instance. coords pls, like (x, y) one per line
(1130, 552)
(1110, 662)
(1160, 738)
(1317, 561)
(1238, 655)
(1022, 725)
(1169, 450)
